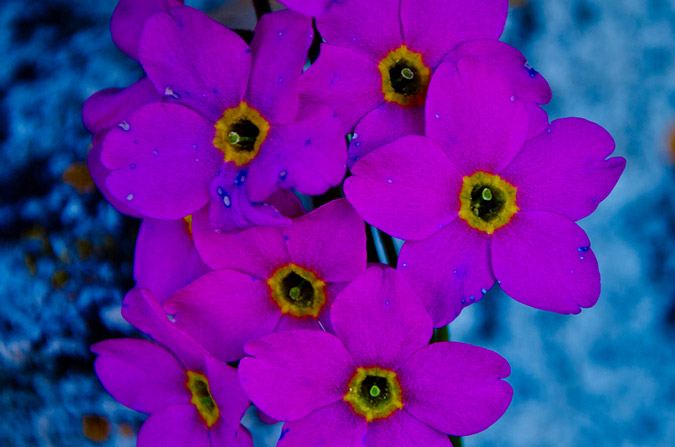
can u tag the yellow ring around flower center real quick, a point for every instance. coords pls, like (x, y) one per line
(198, 385)
(297, 291)
(487, 202)
(405, 78)
(374, 393)
(239, 133)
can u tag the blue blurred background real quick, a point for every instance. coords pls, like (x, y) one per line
(602, 378)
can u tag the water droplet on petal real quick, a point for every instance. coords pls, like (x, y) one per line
(283, 174)
(227, 201)
(133, 165)
(483, 291)
(155, 153)
(130, 197)
(473, 298)
(169, 92)
(583, 249)
(124, 125)
(240, 178)
(219, 191)
(390, 180)
(437, 116)
(513, 98)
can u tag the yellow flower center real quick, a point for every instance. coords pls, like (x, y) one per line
(239, 133)
(374, 393)
(487, 202)
(297, 291)
(405, 78)
(198, 385)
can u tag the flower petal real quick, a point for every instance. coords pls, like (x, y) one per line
(434, 27)
(279, 50)
(456, 388)
(223, 310)
(292, 373)
(371, 27)
(330, 241)
(473, 113)
(224, 435)
(383, 125)
(308, 155)
(407, 188)
(312, 8)
(109, 107)
(166, 259)
(99, 174)
(530, 86)
(178, 425)
(403, 430)
(230, 398)
(449, 270)
(543, 260)
(335, 425)
(163, 162)
(128, 19)
(257, 251)
(380, 319)
(140, 374)
(195, 61)
(565, 170)
(345, 81)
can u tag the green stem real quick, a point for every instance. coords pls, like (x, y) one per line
(456, 441)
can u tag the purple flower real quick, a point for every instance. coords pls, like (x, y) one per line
(376, 381)
(193, 399)
(227, 108)
(379, 55)
(480, 203)
(269, 279)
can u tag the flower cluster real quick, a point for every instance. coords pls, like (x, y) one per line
(250, 299)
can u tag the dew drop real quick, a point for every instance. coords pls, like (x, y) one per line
(226, 201)
(437, 116)
(483, 291)
(240, 178)
(583, 249)
(133, 166)
(124, 126)
(283, 174)
(155, 153)
(169, 92)
(386, 303)
(130, 197)
(390, 180)
(171, 318)
(281, 33)
(463, 301)
(473, 298)
(405, 265)
(219, 191)
(513, 98)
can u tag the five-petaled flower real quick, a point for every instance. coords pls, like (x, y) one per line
(477, 201)
(377, 381)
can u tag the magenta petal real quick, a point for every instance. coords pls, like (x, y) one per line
(195, 61)
(456, 388)
(380, 319)
(279, 51)
(407, 188)
(403, 430)
(229, 396)
(335, 425)
(528, 83)
(543, 260)
(257, 251)
(308, 155)
(473, 112)
(565, 170)
(330, 241)
(99, 174)
(178, 425)
(449, 270)
(372, 27)
(286, 202)
(434, 27)
(128, 19)
(538, 120)
(312, 8)
(166, 259)
(223, 310)
(140, 374)
(162, 161)
(293, 373)
(110, 107)
(345, 81)
(225, 435)
(383, 125)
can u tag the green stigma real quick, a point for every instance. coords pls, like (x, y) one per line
(487, 194)
(294, 293)
(407, 73)
(233, 137)
(374, 391)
